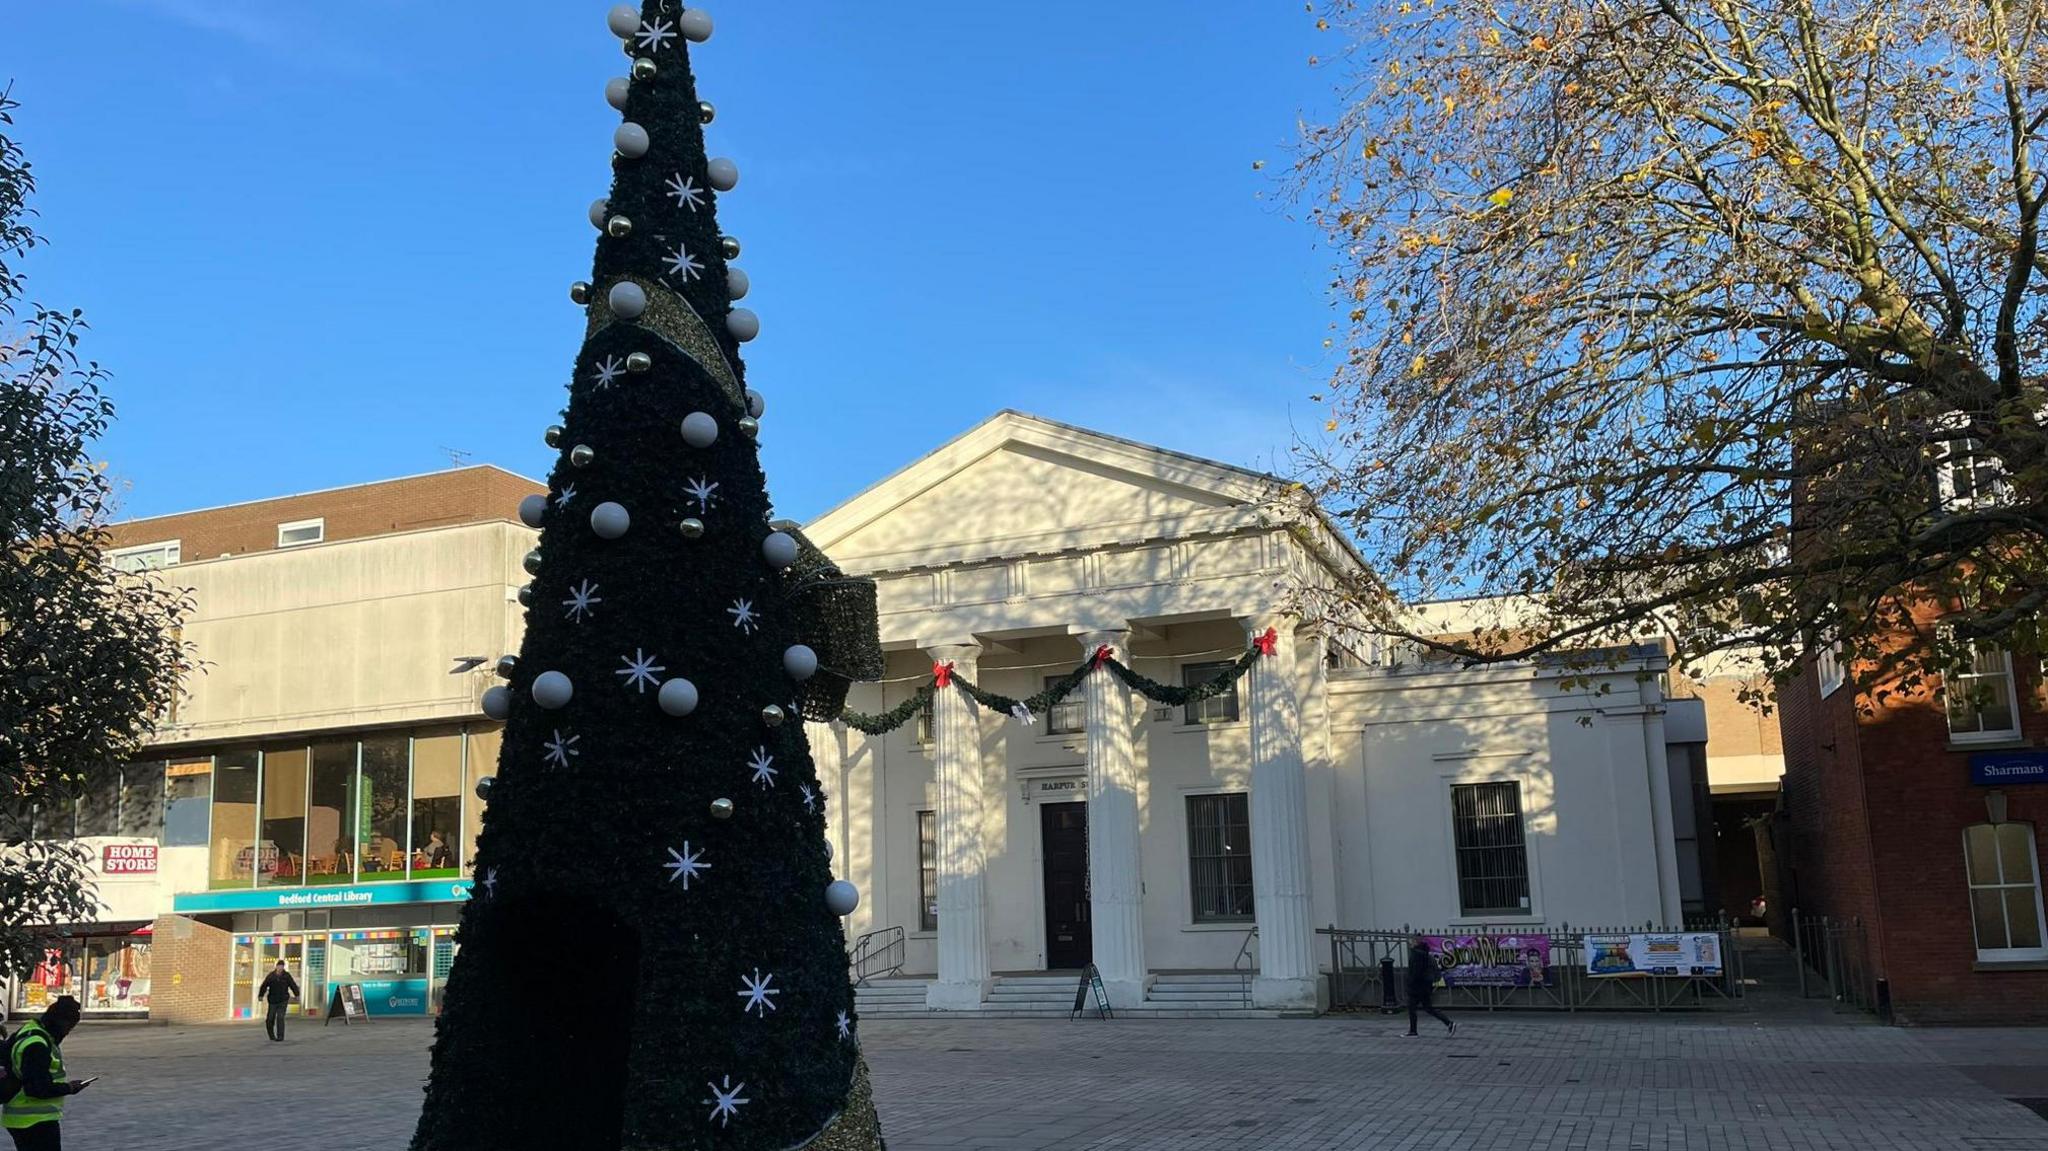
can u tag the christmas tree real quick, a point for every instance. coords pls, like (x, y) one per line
(653, 955)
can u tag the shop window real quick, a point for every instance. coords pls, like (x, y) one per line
(232, 857)
(1493, 858)
(1982, 705)
(2005, 891)
(381, 803)
(99, 803)
(188, 790)
(436, 804)
(927, 871)
(1070, 715)
(142, 800)
(114, 974)
(285, 772)
(483, 760)
(1219, 708)
(331, 813)
(1220, 858)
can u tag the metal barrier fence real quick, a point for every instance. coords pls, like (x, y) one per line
(1833, 956)
(1369, 971)
(877, 954)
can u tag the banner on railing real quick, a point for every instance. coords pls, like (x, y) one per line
(1491, 960)
(1689, 953)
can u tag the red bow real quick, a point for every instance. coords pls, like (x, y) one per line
(943, 673)
(1266, 643)
(1102, 654)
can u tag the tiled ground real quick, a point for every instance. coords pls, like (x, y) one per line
(1521, 1082)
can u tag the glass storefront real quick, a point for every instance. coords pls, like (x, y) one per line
(402, 970)
(107, 974)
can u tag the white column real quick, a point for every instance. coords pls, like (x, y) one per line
(1115, 885)
(1279, 803)
(963, 980)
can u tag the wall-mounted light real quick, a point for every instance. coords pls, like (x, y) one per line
(1994, 806)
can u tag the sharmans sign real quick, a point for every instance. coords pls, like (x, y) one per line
(2002, 768)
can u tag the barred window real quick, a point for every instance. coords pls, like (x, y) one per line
(1220, 858)
(927, 872)
(1219, 708)
(1070, 715)
(1493, 859)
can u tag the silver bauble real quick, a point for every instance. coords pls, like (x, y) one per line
(616, 90)
(696, 25)
(841, 897)
(532, 510)
(639, 362)
(498, 702)
(628, 300)
(737, 284)
(623, 20)
(756, 405)
(723, 173)
(749, 427)
(677, 697)
(743, 324)
(507, 664)
(730, 245)
(779, 549)
(484, 785)
(691, 527)
(644, 69)
(599, 209)
(552, 690)
(531, 562)
(554, 435)
(799, 661)
(610, 520)
(721, 808)
(773, 715)
(631, 140)
(700, 430)
(706, 112)
(581, 455)
(579, 292)
(618, 227)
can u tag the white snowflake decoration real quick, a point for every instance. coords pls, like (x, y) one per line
(609, 372)
(685, 865)
(655, 36)
(743, 615)
(490, 883)
(810, 796)
(845, 1026)
(568, 493)
(704, 492)
(764, 767)
(640, 671)
(1022, 714)
(583, 600)
(682, 263)
(561, 749)
(759, 996)
(684, 190)
(726, 1103)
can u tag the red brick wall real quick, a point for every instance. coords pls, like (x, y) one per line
(461, 495)
(188, 964)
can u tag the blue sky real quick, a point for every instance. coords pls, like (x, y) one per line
(321, 242)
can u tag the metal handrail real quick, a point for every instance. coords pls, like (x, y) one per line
(1243, 963)
(877, 954)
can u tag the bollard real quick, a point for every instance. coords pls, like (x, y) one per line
(1799, 952)
(1387, 1004)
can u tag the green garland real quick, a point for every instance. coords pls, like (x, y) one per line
(1152, 689)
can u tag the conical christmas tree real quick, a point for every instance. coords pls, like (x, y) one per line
(652, 956)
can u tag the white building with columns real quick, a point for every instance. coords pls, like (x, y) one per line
(1152, 841)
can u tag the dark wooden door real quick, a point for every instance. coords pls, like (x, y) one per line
(1069, 939)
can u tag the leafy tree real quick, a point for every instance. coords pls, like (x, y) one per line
(1714, 317)
(90, 657)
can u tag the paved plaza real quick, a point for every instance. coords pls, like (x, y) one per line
(1510, 1081)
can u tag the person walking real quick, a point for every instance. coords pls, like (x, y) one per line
(278, 989)
(1422, 985)
(35, 1061)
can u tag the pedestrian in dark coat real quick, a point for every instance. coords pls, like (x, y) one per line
(278, 989)
(1422, 985)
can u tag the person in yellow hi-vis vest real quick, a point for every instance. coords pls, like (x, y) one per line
(34, 1113)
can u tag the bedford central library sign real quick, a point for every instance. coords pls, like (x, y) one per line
(321, 898)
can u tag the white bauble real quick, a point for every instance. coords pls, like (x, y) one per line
(623, 20)
(779, 549)
(599, 211)
(743, 324)
(724, 174)
(755, 404)
(700, 430)
(696, 25)
(616, 90)
(631, 140)
(799, 661)
(841, 897)
(532, 509)
(737, 284)
(609, 520)
(677, 697)
(628, 300)
(552, 689)
(498, 702)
